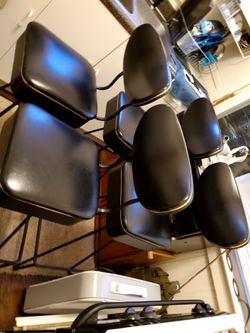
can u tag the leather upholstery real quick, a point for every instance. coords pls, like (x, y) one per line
(47, 72)
(145, 70)
(201, 129)
(133, 225)
(161, 167)
(48, 169)
(183, 224)
(220, 213)
(119, 132)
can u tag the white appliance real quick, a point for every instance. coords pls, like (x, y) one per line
(71, 294)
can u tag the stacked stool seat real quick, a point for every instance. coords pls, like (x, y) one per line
(119, 133)
(47, 72)
(133, 225)
(48, 169)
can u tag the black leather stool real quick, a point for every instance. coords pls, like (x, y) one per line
(201, 129)
(48, 169)
(219, 209)
(133, 225)
(119, 133)
(47, 72)
(161, 166)
(147, 75)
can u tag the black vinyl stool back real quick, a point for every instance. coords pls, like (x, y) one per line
(219, 209)
(201, 129)
(146, 72)
(161, 167)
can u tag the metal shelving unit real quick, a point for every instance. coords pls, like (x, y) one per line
(236, 14)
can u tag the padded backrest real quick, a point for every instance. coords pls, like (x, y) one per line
(119, 132)
(145, 70)
(161, 167)
(49, 73)
(201, 129)
(219, 210)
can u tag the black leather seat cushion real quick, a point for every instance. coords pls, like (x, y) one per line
(133, 225)
(145, 69)
(48, 169)
(119, 132)
(161, 167)
(47, 72)
(201, 129)
(220, 213)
